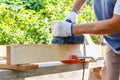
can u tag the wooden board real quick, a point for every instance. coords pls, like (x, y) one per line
(19, 67)
(4, 65)
(29, 53)
(93, 50)
(3, 51)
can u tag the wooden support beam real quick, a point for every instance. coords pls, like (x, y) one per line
(8, 54)
(22, 54)
(33, 53)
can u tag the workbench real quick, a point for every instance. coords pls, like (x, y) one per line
(49, 68)
(47, 58)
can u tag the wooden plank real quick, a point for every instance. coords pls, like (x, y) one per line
(33, 53)
(93, 50)
(24, 67)
(3, 51)
(8, 57)
(19, 67)
(21, 54)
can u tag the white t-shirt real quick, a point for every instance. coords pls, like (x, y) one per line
(117, 8)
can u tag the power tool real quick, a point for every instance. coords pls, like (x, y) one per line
(75, 39)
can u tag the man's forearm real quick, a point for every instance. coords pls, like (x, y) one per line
(110, 26)
(77, 5)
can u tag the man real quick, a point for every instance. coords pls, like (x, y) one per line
(108, 24)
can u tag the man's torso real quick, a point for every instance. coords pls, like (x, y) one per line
(104, 9)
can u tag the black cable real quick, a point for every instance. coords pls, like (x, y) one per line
(84, 54)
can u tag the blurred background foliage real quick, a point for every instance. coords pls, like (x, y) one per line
(28, 21)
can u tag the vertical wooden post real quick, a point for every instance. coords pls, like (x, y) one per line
(103, 51)
(8, 55)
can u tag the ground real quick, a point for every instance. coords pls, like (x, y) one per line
(75, 75)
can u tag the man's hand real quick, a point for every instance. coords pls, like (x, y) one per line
(61, 28)
(72, 17)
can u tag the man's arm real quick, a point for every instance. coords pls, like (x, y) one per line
(78, 5)
(72, 15)
(110, 26)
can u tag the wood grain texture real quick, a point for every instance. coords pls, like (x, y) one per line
(33, 53)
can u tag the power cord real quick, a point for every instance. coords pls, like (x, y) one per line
(84, 54)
